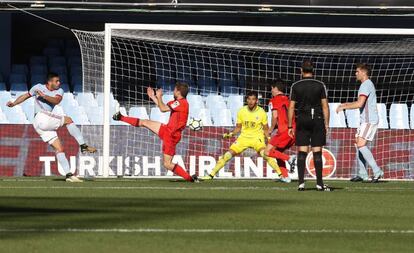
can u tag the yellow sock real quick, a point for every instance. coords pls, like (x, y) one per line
(272, 162)
(221, 162)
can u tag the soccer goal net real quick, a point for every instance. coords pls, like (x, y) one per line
(222, 63)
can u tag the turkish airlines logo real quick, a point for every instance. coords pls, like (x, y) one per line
(328, 164)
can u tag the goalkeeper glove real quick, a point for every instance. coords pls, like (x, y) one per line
(227, 135)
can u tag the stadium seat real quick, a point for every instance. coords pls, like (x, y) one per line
(15, 115)
(38, 78)
(63, 78)
(95, 115)
(38, 60)
(3, 118)
(222, 118)
(78, 88)
(78, 115)
(218, 106)
(74, 61)
(51, 51)
(1, 78)
(58, 109)
(28, 109)
(412, 116)
(76, 70)
(100, 98)
(19, 69)
(336, 119)
(235, 103)
(65, 87)
(5, 96)
(399, 116)
(38, 69)
(213, 99)
(159, 116)
(353, 118)
(18, 87)
(57, 61)
(138, 112)
(195, 101)
(3, 86)
(203, 114)
(86, 99)
(382, 113)
(17, 78)
(60, 70)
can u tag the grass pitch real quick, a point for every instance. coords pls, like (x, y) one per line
(48, 215)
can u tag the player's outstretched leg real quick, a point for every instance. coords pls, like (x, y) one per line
(272, 162)
(272, 151)
(76, 133)
(63, 161)
(177, 169)
(219, 165)
(130, 120)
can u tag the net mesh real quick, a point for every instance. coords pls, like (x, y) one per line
(220, 67)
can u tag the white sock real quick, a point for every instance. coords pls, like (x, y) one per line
(369, 158)
(61, 157)
(75, 132)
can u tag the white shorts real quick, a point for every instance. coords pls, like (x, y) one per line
(367, 131)
(46, 123)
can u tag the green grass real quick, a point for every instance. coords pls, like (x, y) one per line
(223, 216)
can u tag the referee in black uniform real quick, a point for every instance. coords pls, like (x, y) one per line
(309, 104)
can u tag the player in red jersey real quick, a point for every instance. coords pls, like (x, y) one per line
(281, 141)
(170, 133)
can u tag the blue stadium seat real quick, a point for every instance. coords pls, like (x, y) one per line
(77, 88)
(222, 117)
(382, 113)
(336, 119)
(63, 78)
(57, 61)
(195, 101)
(95, 115)
(100, 99)
(1, 78)
(17, 78)
(20, 69)
(18, 87)
(78, 115)
(159, 116)
(59, 69)
(4, 97)
(213, 99)
(412, 116)
(38, 60)
(2, 86)
(203, 114)
(76, 70)
(86, 99)
(138, 112)
(28, 109)
(74, 61)
(399, 116)
(38, 69)
(235, 103)
(167, 98)
(65, 87)
(37, 78)
(3, 118)
(15, 115)
(51, 51)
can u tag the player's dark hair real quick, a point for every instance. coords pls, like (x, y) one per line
(307, 67)
(51, 75)
(182, 88)
(279, 84)
(365, 67)
(252, 93)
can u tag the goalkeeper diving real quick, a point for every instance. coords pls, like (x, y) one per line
(254, 132)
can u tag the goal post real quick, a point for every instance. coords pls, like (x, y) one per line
(240, 58)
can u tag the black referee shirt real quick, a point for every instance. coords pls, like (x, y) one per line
(307, 93)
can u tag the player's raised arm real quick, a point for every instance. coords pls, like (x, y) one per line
(163, 107)
(354, 105)
(19, 100)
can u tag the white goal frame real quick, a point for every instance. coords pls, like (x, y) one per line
(212, 28)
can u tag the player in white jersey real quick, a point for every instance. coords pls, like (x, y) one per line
(367, 104)
(47, 96)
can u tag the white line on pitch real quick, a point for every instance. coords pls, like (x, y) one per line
(217, 188)
(161, 230)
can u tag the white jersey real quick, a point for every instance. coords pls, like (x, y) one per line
(40, 103)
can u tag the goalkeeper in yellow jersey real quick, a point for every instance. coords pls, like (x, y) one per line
(252, 123)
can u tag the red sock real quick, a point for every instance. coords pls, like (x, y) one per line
(130, 120)
(182, 173)
(282, 166)
(278, 155)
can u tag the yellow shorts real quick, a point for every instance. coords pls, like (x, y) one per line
(243, 143)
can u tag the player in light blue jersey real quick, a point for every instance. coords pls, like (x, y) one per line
(47, 96)
(367, 104)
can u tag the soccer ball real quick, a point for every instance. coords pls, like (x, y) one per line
(196, 124)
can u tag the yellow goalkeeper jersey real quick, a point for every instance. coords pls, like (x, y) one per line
(252, 121)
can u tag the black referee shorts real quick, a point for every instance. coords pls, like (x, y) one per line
(310, 131)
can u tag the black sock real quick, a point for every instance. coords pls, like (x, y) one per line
(317, 160)
(301, 166)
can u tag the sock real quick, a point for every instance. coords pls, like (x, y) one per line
(369, 158)
(76, 133)
(272, 162)
(301, 166)
(362, 171)
(278, 155)
(282, 166)
(178, 170)
(64, 163)
(130, 120)
(317, 160)
(221, 162)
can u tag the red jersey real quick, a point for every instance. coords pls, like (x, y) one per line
(179, 115)
(280, 103)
